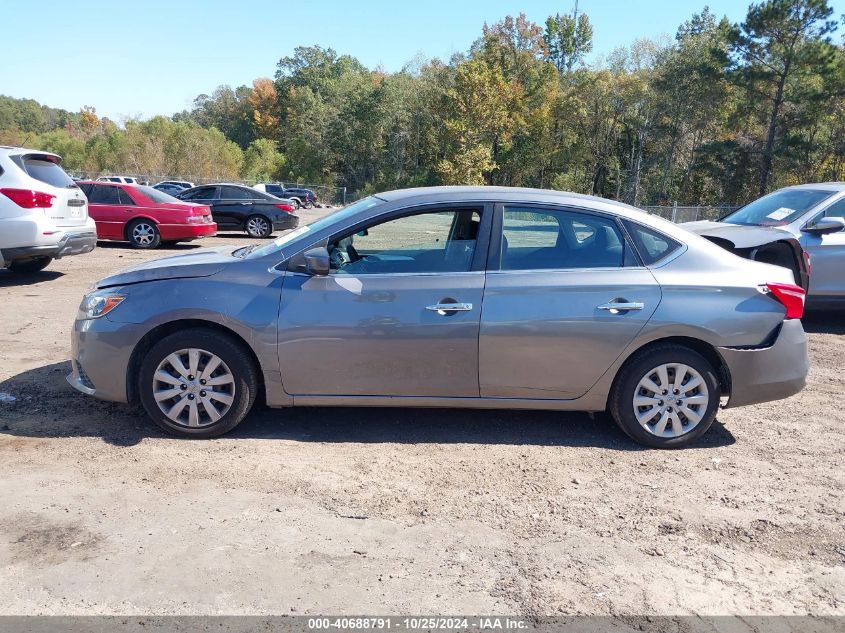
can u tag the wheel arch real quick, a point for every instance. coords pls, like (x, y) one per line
(708, 351)
(165, 329)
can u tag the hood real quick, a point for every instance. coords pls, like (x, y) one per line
(739, 235)
(203, 263)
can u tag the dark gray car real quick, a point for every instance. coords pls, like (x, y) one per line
(451, 297)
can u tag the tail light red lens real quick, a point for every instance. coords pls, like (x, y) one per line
(791, 296)
(29, 199)
(285, 207)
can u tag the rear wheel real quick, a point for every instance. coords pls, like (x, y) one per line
(33, 265)
(197, 383)
(143, 234)
(666, 397)
(258, 226)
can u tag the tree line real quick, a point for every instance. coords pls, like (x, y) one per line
(722, 112)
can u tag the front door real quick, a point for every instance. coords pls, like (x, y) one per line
(565, 294)
(399, 313)
(827, 257)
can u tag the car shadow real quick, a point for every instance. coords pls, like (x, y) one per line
(182, 246)
(9, 278)
(47, 407)
(824, 322)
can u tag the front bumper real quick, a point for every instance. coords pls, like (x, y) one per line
(70, 244)
(770, 373)
(100, 353)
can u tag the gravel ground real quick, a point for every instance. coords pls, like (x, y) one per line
(393, 511)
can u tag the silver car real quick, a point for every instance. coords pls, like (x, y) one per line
(811, 215)
(451, 297)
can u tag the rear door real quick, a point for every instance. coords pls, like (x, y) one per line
(69, 208)
(565, 294)
(827, 256)
(235, 205)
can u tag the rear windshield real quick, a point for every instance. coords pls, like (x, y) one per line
(47, 171)
(778, 208)
(155, 195)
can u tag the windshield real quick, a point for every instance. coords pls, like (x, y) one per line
(288, 238)
(778, 208)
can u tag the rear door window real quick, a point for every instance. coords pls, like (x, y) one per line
(104, 194)
(557, 239)
(125, 198)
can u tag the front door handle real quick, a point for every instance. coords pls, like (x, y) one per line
(448, 308)
(616, 307)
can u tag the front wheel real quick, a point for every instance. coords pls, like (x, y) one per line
(665, 397)
(258, 226)
(34, 265)
(197, 383)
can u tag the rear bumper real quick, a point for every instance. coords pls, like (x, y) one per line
(288, 222)
(70, 244)
(186, 231)
(771, 373)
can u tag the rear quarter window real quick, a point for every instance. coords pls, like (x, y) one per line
(650, 244)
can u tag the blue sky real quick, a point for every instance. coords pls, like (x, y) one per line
(154, 57)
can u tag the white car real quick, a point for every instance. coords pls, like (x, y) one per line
(124, 180)
(43, 213)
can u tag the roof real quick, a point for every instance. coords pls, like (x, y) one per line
(824, 186)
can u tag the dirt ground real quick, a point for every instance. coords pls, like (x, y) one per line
(395, 511)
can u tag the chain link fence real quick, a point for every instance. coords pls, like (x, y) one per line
(339, 196)
(328, 196)
(690, 213)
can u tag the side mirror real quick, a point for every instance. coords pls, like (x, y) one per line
(317, 261)
(825, 226)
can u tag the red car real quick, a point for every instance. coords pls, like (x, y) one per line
(143, 216)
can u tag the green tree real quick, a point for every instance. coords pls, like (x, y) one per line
(777, 49)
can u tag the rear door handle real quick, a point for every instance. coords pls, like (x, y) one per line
(445, 308)
(615, 307)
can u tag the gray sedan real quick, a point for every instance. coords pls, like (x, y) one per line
(451, 297)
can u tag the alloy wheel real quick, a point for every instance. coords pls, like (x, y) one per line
(670, 400)
(193, 387)
(143, 234)
(257, 227)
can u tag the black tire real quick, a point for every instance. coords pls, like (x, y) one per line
(143, 234)
(34, 265)
(621, 403)
(258, 226)
(237, 360)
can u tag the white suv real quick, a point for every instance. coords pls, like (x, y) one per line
(124, 180)
(43, 213)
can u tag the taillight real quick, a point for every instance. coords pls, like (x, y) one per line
(791, 296)
(29, 199)
(285, 207)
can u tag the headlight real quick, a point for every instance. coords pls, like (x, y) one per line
(100, 303)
